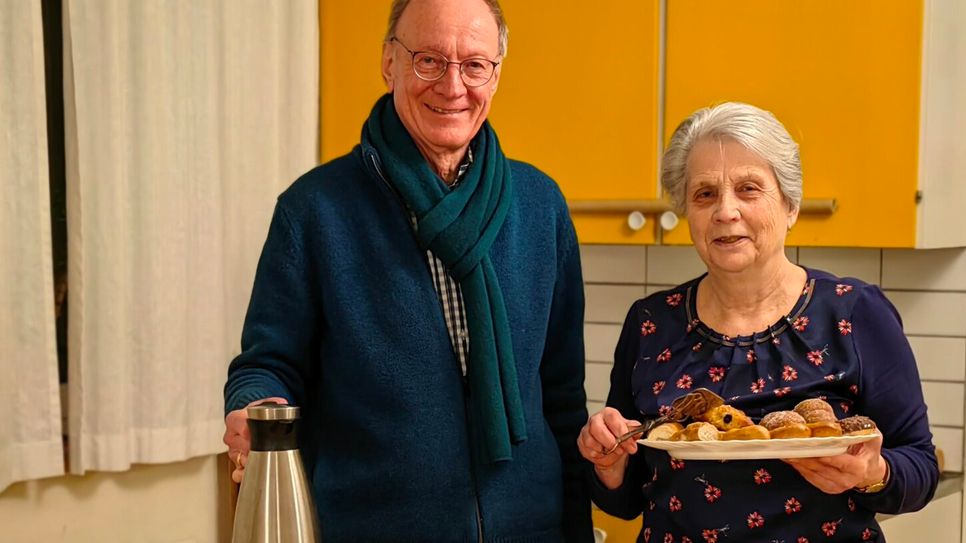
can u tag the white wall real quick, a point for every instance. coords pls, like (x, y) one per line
(169, 503)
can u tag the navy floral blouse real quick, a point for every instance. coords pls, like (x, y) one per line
(842, 342)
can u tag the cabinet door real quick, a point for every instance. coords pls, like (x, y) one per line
(351, 35)
(578, 99)
(844, 79)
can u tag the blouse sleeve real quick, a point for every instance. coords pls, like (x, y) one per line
(891, 395)
(627, 500)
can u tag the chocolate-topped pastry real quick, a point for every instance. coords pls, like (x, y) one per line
(815, 410)
(777, 419)
(857, 425)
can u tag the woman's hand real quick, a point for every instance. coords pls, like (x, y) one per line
(861, 466)
(598, 436)
(238, 439)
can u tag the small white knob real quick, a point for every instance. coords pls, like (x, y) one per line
(636, 220)
(669, 220)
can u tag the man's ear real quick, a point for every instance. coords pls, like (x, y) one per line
(387, 63)
(495, 82)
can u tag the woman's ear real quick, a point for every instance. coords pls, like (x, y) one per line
(792, 217)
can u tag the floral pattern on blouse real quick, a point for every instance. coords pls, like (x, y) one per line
(808, 354)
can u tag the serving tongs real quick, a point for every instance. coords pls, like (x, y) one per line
(692, 404)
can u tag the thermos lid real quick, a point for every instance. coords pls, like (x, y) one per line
(273, 411)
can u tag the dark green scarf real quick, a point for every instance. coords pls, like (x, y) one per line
(459, 226)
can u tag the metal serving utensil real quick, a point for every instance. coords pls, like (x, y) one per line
(692, 404)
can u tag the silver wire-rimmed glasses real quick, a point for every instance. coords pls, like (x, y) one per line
(431, 66)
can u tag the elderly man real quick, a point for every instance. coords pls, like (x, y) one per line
(421, 299)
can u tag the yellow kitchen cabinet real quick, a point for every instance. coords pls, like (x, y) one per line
(873, 91)
(579, 99)
(577, 96)
(351, 35)
(617, 530)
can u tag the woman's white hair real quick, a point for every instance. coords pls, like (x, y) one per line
(758, 130)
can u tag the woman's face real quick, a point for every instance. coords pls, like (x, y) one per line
(735, 210)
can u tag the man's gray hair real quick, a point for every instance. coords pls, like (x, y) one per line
(398, 6)
(758, 130)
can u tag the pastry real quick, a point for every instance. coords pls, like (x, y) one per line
(777, 419)
(857, 426)
(815, 410)
(665, 431)
(825, 429)
(790, 431)
(785, 425)
(726, 417)
(754, 431)
(697, 431)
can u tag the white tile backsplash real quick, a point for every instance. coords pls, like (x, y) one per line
(936, 269)
(945, 403)
(940, 358)
(597, 381)
(862, 264)
(613, 263)
(667, 265)
(931, 313)
(600, 340)
(610, 303)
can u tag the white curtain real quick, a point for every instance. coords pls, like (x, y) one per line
(30, 432)
(184, 121)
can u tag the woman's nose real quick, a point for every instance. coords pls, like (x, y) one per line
(726, 208)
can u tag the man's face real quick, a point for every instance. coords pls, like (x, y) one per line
(442, 116)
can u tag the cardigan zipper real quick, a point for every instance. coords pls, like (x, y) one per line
(466, 389)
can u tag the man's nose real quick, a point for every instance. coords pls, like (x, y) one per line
(452, 81)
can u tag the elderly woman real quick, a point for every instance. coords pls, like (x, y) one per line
(765, 334)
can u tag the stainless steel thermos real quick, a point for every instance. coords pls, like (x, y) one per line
(274, 502)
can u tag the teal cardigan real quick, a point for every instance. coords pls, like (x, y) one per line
(344, 321)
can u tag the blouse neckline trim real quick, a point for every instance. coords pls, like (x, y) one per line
(769, 334)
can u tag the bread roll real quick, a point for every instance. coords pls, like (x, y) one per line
(664, 431)
(697, 431)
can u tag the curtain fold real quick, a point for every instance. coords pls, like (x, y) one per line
(30, 429)
(184, 121)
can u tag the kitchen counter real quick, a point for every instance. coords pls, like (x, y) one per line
(949, 484)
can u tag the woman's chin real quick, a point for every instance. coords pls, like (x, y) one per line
(731, 263)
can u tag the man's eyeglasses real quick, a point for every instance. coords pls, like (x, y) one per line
(431, 66)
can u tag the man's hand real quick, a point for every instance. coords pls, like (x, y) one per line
(238, 439)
